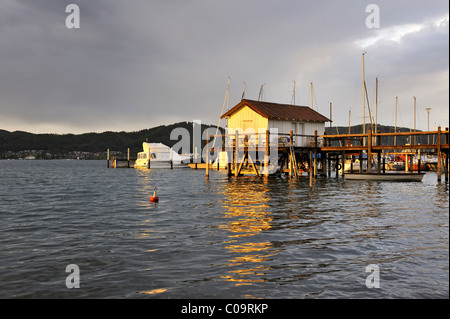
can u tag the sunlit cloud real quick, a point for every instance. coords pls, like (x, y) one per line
(398, 32)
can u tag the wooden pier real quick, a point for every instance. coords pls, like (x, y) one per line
(246, 157)
(113, 162)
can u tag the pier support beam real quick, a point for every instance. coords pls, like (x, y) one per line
(128, 157)
(266, 157)
(315, 153)
(446, 158)
(207, 155)
(439, 155)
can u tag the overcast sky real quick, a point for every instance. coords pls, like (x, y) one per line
(137, 64)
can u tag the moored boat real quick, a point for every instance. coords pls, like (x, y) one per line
(158, 155)
(395, 177)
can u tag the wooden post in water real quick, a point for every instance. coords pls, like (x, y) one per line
(343, 164)
(310, 170)
(369, 151)
(337, 165)
(406, 163)
(446, 158)
(128, 157)
(229, 156)
(419, 162)
(207, 154)
(379, 162)
(324, 158)
(266, 159)
(236, 147)
(315, 153)
(361, 157)
(439, 154)
(291, 160)
(107, 158)
(411, 163)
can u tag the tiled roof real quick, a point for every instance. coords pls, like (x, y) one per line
(276, 111)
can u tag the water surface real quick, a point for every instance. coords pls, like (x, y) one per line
(217, 237)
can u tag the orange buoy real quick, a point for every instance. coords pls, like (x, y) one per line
(154, 198)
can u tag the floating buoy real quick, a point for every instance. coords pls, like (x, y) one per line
(154, 198)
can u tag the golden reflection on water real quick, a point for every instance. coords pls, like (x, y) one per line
(146, 187)
(246, 205)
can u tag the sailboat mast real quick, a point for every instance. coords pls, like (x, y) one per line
(376, 104)
(395, 127)
(293, 94)
(243, 93)
(312, 106)
(349, 116)
(331, 115)
(414, 119)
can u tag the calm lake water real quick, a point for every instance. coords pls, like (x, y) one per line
(216, 237)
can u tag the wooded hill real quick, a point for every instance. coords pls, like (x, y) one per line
(92, 142)
(119, 141)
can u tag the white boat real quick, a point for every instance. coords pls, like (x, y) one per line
(395, 177)
(158, 155)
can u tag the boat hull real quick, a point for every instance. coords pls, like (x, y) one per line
(160, 164)
(395, 177)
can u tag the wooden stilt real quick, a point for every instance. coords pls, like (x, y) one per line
(207, 155)
(315, 153)
(128, 157)
(310, 170)
(236, 148)
(446, 157)
(439, 155)
(266, 157)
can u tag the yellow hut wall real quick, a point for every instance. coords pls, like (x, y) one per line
(246, 119)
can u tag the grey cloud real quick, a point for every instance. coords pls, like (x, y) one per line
(135, 64)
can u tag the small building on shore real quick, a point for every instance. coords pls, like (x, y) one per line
(258, 116)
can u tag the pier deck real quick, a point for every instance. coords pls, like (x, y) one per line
(323, 150)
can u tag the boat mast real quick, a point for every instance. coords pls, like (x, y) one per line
(395, 127)
(293, 93)
(349, 116)
(331, 115)
(312, 106)
(376, 106)
(414, 119)
(226, 101)
(260, 96)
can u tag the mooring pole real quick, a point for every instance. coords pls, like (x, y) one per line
(439, 154)
(310, 170)
(315, 153)
(266, 158)
(207, 154)
(446, 157)
(236, 160)
(128, 157)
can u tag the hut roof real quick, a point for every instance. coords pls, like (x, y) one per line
(276, 111)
